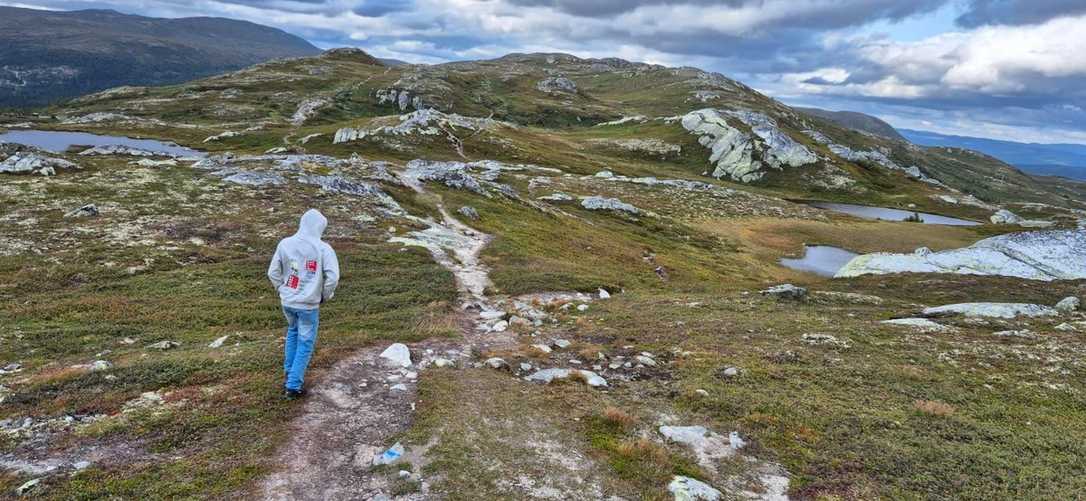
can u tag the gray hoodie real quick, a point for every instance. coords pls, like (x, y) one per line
(304, 269)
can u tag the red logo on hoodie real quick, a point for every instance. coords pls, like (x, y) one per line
(311, 266)
(293, 281)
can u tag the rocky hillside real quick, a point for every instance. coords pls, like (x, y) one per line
(550, 108)
(51, 55)
(561, 279)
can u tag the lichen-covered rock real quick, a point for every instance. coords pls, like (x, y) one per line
(150, 162)
(609, 204)
(307, 109)
(1004, 216)
(348, 134)
(689, 489)
(452, 174)
(1069, 304)
(25, 160)
(400, 98)
(991, 310)
(255, 179)
(555, 85)
(786, 291)
(89, 210)
(423, 122)
(547, 376)
(920, 324)
(469, 212)
(120, 149)
(732, 149)
(557, 197)
(1039, 255)
(780, 149)
(221, 136)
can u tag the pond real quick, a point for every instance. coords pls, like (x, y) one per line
(821, 260)
(885, 214)
(60, 141)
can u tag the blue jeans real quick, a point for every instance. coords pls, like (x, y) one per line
(301, 336)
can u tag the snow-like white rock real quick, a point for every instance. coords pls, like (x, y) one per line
(732, 149)
(609, 204)
(688, 489)
(1069, 304)
(991, 310)
(1038, 255)
(920, 324)
(548, 375)
(397, 355)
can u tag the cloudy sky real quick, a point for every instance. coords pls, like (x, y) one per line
(1005, 69)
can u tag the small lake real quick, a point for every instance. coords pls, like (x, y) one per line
(867, 212)
(821, 260)
(59, 142)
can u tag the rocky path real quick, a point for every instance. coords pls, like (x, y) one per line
(366, 399)
(347, 421)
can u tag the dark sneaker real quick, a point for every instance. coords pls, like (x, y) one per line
(293, 394)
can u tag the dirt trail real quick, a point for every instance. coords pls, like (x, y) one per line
(347, 421)
(354, 410)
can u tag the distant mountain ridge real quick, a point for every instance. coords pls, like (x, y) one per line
(1065, 160)
(53, 55)
(856, 121)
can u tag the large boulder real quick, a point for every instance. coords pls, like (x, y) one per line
(1069, 305)
(1037, 255)
(786, 291)
(1004, 216)
(557, 85)
(609, 204)
(689, 489)
(733, 150)
(25, 160)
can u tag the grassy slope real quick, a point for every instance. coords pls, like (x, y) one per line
(845, 422)
(228, 417)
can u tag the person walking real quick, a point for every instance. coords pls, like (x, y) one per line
(305, 272)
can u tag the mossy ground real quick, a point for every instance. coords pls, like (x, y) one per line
(178, 255)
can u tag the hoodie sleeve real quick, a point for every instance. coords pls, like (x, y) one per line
(275, 269)
(331, 272)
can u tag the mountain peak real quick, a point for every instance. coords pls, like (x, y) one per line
(351, 54)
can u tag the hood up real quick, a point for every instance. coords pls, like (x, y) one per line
(312, 225)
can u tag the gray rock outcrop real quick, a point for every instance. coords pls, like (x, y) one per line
(1004, 216)
(609, 204)
(733, 150)
(547, 376)
(89, 210)
(991, 310)
(556, 85)
(25, 160)
(1038, 255)
(1069, 305)
(786, 291)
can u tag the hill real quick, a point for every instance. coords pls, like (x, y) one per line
(562, 278)
(584, 112)
(857, 121)
(52, 55)
(1066, 160)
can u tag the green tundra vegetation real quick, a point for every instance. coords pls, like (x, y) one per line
(849, 407)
